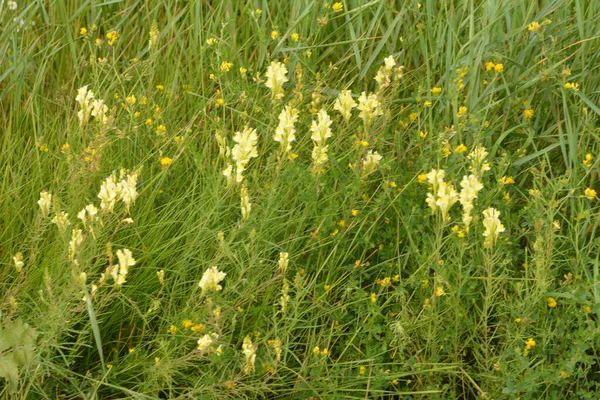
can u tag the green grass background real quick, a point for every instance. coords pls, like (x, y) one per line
(468, 343)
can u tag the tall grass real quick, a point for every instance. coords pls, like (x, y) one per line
(453, 319)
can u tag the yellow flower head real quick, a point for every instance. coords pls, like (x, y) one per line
(534, 27)
(225, 66)
(276, 77)
(461, 148)
(572, 86)
(295, 37)
(166, 161)
(551, 301)
(499, 68)
(436, 90)
(589, 194)
(112, 37)
(528, 114)
(587, 161)
(338, 7)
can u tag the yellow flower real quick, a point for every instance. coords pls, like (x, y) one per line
(587, 161)
(160, 87)
(461, 148)
(489, 66)
(326, 287)
(342, 224)
(295, 37)
(436, 90)
(530, 343)
(354, 212)
(172, 329)
(439, 291)
(112, 37)
(499, 68)
(373, 298)
(274, 34)
(590, 194)
(161, 129)
(316, 350)
(225, 66)
(276, 77)
(211, 41)
(528, 114)
(131, 100)
(413, 116)
(243, 71)
(462, 111)
(427, 103)
(492, 225)
(198, 328)
(166, 161)
(187, 324)
(534, 27)
(571, 85)
(506, 180)
(148, 122)
(551, 301)
(362, 370)
(82, 31)
(338, 7)
(44, 148)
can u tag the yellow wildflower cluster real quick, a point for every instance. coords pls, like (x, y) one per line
(492, 225)
(285, 131)
(369, 107)
(442, 195)
(320, 132)
(276, 77)
(344, 104)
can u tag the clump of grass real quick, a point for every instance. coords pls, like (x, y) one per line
(343, 199)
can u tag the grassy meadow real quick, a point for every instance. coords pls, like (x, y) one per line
(302, 200)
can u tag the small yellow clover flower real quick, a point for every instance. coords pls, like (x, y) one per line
(589, 194)
(338, 7)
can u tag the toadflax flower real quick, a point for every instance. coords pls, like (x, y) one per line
(249, 350)
(207, 343)
(74, 244)
(442, 195)
(211, 280)
(119, 272)
(61, 219)
(478, 163)
(18, 261)
(84, 98)
(285, 132)
(87, 215)
(45, 202)
(369, 107)
(283, 261)
(244, 149)
(492, 225)
(320, 132)
(470, 188)
(113, 190)
(371, 161)
(276, 77)
(245, 204)
(344, 104)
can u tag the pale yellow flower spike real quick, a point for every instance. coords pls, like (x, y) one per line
(276, 77)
